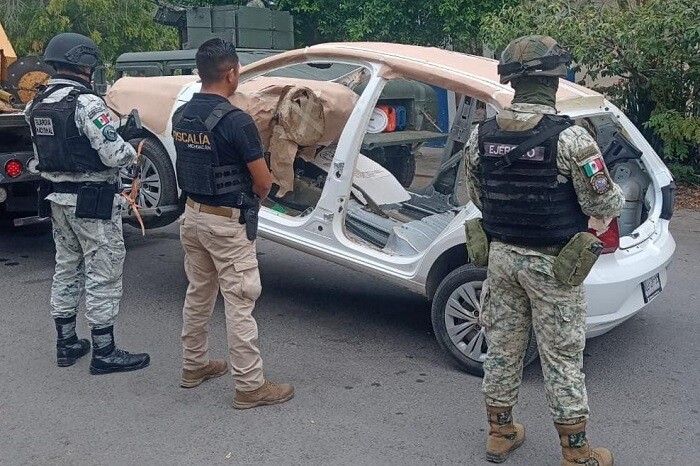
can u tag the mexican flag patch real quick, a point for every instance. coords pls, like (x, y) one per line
(101, 121)
(593, 166)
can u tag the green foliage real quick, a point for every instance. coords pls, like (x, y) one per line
(684, 173)
(454, 23)
(116, 26)
(651, 49)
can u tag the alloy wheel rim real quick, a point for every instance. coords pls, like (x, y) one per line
(150, 188)
(462, 321)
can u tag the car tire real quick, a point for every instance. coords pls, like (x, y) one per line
(158, 184)
(457, 327)
(402, 165)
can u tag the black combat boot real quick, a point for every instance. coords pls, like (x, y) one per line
(68, 347)
(107, 358)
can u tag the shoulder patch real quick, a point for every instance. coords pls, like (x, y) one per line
(588, 152)
(109, 133)
(593, 168)
(101, 120)
(600, 183)
(592, 165)
(94, 111)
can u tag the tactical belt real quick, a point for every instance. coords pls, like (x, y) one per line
(69, 187)
(221, 211)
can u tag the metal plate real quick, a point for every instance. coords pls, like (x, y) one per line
(651, 287)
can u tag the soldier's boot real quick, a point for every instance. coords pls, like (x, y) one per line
(68, 347)
(192, 378)
(107, 358)
(575, 449)
(269, 393)
(504, 435)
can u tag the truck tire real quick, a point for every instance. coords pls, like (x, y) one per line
(158, 184)
(455, 317)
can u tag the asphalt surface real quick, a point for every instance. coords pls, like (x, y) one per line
(372, 386)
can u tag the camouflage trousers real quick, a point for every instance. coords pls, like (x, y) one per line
(522, 294)
(89, 259)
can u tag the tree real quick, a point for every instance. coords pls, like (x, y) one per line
(651, 46)
(454, 23)
(116, 26)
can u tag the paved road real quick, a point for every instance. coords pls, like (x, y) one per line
(372, 385)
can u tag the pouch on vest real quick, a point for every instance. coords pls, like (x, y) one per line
(576, 259)
(95, 202)
(477, 242)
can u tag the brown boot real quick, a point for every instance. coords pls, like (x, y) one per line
(504, 435)
(192, 378)
(575, 448)
(269, 393)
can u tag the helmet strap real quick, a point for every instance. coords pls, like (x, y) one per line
(74, 77)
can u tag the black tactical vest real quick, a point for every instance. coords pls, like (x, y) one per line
(525, 203)
(59, 145)
(198, 166)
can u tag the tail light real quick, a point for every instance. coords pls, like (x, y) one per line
(13, 168)
(610, 238)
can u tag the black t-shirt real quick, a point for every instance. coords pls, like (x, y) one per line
(236, 137)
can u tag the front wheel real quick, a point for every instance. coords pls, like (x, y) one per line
(455, 316)
(158, 183)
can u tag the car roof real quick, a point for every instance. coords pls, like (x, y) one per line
(460, 72)
(469, 74)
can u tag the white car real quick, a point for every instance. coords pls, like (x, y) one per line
(351, 211)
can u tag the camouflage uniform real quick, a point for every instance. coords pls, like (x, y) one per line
(522, 292)
(89, 252)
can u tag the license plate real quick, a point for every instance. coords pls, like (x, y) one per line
(651, 287)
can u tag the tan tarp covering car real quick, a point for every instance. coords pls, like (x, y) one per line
(462, 73)
(291, 114)
(154, 98)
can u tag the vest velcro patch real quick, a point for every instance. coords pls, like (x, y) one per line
(499, 149)
(198, 140)
(43, 127)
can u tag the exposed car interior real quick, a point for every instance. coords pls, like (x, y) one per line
(406, 228)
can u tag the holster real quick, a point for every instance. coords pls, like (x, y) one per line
(477, 242)
(575, 261)
(249, 206)
(95, 202)
(44, 206)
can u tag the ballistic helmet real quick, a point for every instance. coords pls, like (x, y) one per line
(72, 49)
(533, 56)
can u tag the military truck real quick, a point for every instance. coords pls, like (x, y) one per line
(19, 180)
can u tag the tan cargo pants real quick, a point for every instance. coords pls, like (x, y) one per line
(219, 257)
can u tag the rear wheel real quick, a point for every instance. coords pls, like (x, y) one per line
(158, 184)
(455, 316)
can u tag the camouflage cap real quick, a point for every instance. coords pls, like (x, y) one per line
(533, 56)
